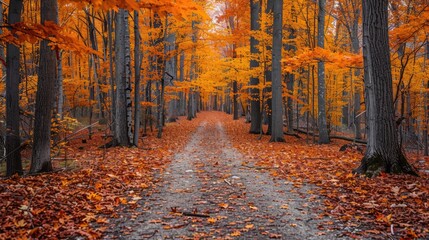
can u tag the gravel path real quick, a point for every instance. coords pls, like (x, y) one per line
(209, 191)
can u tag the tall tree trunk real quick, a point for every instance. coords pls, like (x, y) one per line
(41, 159)
(96, 63)
(122, 126)
(137, 66)
(357, 73)
(255, 99)
(323, 126)
(234, 81)
(192, 75)
(383, 152)
(13, 140)
(3, 75)
(290, 77)
(277, 99)
(426, 108)
(235, 100)
(60, 104)
(161, 64)
(171, 74)
(182, 104)
(128, 78)
(112, 79)
(267, 72)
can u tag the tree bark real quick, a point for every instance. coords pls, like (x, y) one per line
(112, 79)
(137, 75)
(383, 152)
(255, 98)
(426, 97)
(122, 124)
(41, 159)
(182, 104)
(13, 140)
(357, 73)
(61, 95)
(170, 74)
(192, 75)
(323, 126)
(290, 77)
(267, 71)
(277, 98)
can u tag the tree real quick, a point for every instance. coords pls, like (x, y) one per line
(323, 128)
(277, 99)
(268, 68)
(137, 75)
(383, 153)
(41, 156)
(255, 101)
(13, 141)
(122, 134)
(290, 77)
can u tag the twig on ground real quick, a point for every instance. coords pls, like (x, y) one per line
(190, 214)
(227, 182)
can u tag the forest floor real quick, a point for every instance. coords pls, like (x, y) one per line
(211, 190)
(209, 178)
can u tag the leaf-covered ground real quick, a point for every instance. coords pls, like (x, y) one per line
(210, 190)
(107, 186)
(386, 206)
(81, 201)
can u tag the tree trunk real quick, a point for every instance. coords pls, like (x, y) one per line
(193, 75)
(122, 124)
(41, 159)
(128, 78)
(267, 72)
(171, 73)
(426, 97)
(13, 140)
(235, 100)
(60, 105)
(323, 126)
(277, 99)
(182, 104)
(112, 80)
(357, 89)
(234, 81)
(290, 77)
(96, 63)
(383, 152)
(3, 74)
(137, 66)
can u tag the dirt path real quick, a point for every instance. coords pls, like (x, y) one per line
(235, 200)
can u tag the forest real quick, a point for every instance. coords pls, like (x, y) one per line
(193, 119)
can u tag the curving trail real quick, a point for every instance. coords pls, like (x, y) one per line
(228, 198)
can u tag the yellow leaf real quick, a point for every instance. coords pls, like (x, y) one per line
(211, 220)
(284, 206)
(253, 208)
(236, 233)
(249, 226)
(94, 197)
(102, 220)
(223, 205)
(20, 223)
